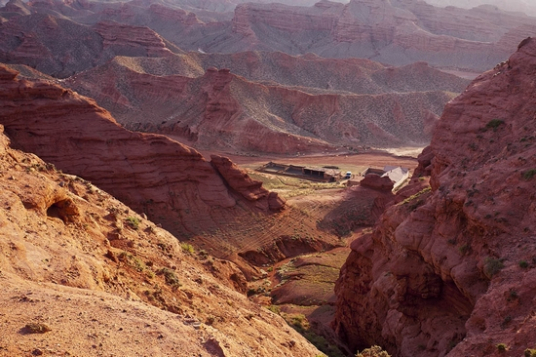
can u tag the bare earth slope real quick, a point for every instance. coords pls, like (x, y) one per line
(214, 203)
(79, 278)
(396, 32)
(330, 103)
(450, 271)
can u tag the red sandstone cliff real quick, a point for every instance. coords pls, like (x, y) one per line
(223, 110)
(396, 32)
(451, 270)
(60, 46)
(73, 258)
(168, 181)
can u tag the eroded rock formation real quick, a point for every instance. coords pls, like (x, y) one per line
(451, 270)
(113, 274)
(168, 181)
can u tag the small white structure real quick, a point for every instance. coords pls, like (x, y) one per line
(397, 174)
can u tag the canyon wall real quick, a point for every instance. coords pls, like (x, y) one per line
(450, 269)
(169, 182)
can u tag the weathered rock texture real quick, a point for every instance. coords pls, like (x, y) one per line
(170, 182)
(451, 270)
(59, 46)
(128, 286)
(278, 103)
(396, 32)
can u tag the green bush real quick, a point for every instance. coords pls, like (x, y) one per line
(134, 222)
(529, 352)
(523, 264)
(187, 247)
(492, 266)
(494, 124)
(170, 277)
(501, 347)
(374, 351)
(527, 175)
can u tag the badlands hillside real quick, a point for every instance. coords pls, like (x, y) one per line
(396, 32)
(84, 275)
(288, 104)
(133, 214)
(450, 270)
(291, 103)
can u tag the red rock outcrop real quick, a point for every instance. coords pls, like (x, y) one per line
(130, 38)
(377, 182)
(130, 287)
(250, 189)
(450, 270)
(151, 173)
(54, 45)
(226, 111)
(395, 32)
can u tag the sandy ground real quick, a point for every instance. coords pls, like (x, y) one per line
(371, 159)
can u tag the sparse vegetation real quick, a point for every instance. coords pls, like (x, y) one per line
(300, 323)
(494, 124)
(170, 277)
(529, 174)
(529, 352)
(133, 222)
(501, 347)
(416, 200)
(274, 308)
(492, 266)
(374, 351)
(523, 264)
(187, 247)
(464, 249)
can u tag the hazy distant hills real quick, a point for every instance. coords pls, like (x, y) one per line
(395, 32)
(523, 6)
(272, 102)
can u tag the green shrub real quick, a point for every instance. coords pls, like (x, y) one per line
(494, 124)
(501, 347)
(134, 222)
(170, 277)
(187, 247)
(492, 266)
(274, 308)
(527, 175)
(464, 249)
(523, 264)
(374, 351)
(529, 352)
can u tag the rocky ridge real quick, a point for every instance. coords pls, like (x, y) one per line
(380, 106)
(166, 180)
(76, 259)
(395, 32)
(450, 269)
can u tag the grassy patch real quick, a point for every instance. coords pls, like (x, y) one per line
(133, 222)
(416, 200)
(188, 248)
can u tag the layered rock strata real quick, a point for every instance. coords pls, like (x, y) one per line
(168, 181)
(450, 270)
